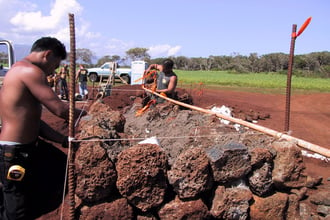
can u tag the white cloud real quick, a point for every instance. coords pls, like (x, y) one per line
(8, 9)
(174, 51)
(163, 50)
(31, 21)
(27, 22)
(22, 22)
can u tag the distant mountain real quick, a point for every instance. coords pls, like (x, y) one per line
(20, 50)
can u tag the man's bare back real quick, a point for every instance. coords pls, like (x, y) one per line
(24, 92)
(22, 95)
(20, 109)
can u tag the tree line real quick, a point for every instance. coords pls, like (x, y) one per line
(316, 64)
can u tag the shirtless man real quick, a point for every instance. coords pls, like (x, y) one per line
(22, 95)
(64, 72)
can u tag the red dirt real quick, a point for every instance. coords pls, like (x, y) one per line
(309, 117)
(309, 120)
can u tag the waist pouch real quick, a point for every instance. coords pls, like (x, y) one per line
(15, 155)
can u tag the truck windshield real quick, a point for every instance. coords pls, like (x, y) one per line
(105, 66)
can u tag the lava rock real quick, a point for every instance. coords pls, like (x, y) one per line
(177, 209)
(229, 162)
(142, 177)
(231, 203)
(96, 174)
(190, 174)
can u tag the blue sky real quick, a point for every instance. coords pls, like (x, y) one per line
(191, 28)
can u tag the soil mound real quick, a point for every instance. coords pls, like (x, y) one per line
(193, 166)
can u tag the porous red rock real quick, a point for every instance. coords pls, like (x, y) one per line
(96, 174)
(115, 210)
(231, 203)
(141, 173)
(190, 174)
(270, 208)
(178, 209)
(260, 155)
(260, 179)
(289, 166)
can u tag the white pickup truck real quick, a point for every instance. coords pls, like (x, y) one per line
(105, 72)
(6, 46)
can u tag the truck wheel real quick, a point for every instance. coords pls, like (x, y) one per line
(126, 78)
(93, 77)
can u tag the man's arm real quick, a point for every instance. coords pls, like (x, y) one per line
(35, 80)
(155, 67)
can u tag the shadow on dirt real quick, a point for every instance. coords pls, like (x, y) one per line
(47, 189)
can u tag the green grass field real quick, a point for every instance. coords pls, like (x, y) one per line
(258, 81)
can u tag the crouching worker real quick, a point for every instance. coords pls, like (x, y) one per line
(23, 94)
(161, 79)
(166, 79)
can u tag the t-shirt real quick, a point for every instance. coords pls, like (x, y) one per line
(83, 75)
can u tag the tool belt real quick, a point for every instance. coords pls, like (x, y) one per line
(14, 160)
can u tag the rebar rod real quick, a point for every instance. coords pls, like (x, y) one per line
(71, 167)
(288, 85)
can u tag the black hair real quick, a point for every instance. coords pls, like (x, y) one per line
(168, 63)
(50, 43)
